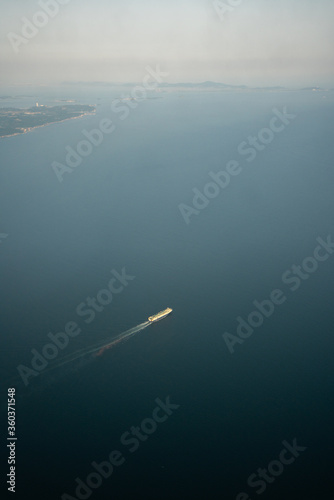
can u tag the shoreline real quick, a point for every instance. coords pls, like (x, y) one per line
(30, 129)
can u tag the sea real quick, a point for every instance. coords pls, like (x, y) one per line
(216, 204)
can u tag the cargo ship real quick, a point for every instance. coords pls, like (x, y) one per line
(160, 315)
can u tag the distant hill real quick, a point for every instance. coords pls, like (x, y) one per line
(188, 85)
(203, 85)
(207, 85)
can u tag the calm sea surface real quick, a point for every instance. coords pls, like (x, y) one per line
(120, 208)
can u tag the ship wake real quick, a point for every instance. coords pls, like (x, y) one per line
(99, 348)
(75, 360)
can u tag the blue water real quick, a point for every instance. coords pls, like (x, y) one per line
(120, 209)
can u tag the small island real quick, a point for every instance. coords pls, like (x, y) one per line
(15, 121)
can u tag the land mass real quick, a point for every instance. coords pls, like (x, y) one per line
(207, 86)
(15, 121)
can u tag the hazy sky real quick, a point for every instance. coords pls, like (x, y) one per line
(259, 42)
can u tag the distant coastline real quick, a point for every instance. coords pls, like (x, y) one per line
(38, 116)
(207, 86)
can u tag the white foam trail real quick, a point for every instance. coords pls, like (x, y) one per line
(87, 351)
(106, 343)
